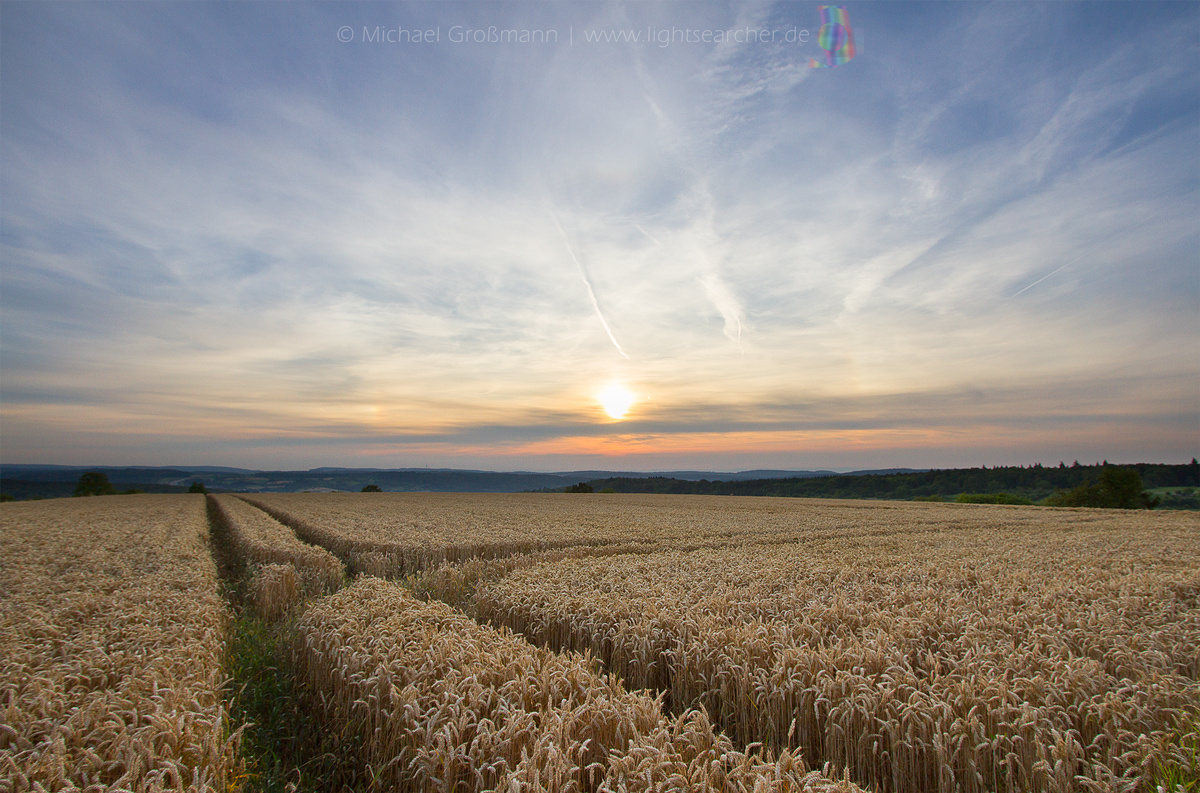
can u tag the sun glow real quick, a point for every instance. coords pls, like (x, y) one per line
(616, 400)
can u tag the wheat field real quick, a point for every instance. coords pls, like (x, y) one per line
(282, 569)
(397, 534)
(1052, 655)
(925, 647)
(440, 702)
(546, 642)
(111, 639)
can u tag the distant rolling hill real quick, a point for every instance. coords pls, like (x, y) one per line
(48, 481)
(1033, 482)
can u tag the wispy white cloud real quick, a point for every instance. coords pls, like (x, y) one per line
(363, 245)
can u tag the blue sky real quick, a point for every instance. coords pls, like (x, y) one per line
(231, 237)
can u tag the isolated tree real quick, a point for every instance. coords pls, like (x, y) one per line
(372, 489)
(1122, 488)
(197, 487)
(94, 483)
(582, 487)
(1118, 488)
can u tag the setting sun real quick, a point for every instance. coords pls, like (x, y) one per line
(616, 400)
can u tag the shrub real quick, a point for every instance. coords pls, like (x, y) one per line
(990, 498)
(94, 483)
(197, 487)
(1184, 498)
(372, 489)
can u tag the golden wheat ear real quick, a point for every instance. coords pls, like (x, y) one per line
(113, 647)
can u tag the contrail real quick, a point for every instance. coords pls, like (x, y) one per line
(648, 235)
(1044, 277)
(583, 277)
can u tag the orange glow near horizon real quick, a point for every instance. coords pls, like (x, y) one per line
(701, 443)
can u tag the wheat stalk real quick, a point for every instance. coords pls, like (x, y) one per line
(111, 633)
(440, 702)
(282, 569)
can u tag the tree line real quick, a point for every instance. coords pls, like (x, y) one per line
(1097, 485)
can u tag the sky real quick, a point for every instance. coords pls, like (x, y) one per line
(635, 236)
